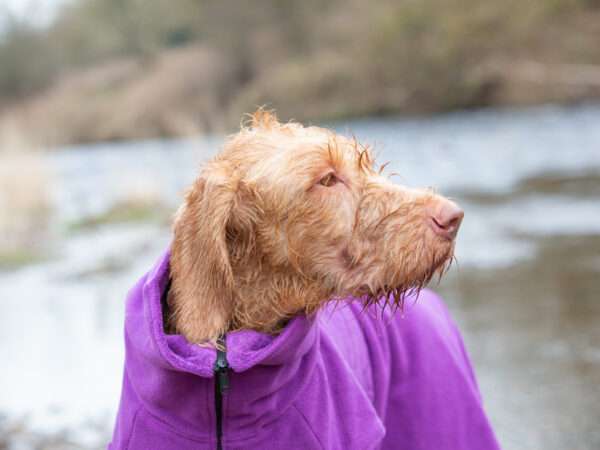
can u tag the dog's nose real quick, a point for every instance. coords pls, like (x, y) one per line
(445, 218)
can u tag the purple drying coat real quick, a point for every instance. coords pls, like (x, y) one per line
(342, 379)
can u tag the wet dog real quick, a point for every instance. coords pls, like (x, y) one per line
(286, 218)
(253, 354)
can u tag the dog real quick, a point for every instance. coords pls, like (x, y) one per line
(286, 218)
(256, 328)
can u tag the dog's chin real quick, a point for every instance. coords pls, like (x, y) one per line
(394, 295)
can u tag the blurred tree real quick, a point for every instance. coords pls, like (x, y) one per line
(93, 30)
(27, 60)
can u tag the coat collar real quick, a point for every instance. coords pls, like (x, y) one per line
(167, 371)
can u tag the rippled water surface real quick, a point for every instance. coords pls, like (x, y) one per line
(526, 292)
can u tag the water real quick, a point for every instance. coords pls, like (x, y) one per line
(526, 293)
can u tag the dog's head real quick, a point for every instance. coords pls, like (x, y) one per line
(287, 217)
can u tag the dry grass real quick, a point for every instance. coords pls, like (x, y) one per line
(141, 201)
(25, 207)
(177, 93)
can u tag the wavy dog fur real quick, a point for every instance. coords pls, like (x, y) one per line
(286, 218)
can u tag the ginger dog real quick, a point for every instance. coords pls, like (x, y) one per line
(286, 218)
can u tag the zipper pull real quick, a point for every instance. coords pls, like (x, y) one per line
(222, 376)
(222, 366)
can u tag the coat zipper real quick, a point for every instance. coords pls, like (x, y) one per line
(221, 386)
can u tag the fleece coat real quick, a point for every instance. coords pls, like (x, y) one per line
(343, 379)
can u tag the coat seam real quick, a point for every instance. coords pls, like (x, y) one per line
(172, 429)
(309, 426)
(133, 422)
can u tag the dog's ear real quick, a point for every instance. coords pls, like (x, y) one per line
(203, 286)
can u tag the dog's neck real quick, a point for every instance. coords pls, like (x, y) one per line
(269, 298)
(264, 300)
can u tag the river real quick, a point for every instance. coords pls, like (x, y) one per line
(526, 290)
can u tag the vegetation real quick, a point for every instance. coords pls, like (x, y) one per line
(25, 207)
(124, 212)
(118, 69)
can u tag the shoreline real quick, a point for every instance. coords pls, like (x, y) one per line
(127, 100)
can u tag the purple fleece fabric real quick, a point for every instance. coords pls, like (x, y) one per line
(344, 379)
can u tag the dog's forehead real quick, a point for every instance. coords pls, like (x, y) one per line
(294, 139)
(293, 154)
(308, 151)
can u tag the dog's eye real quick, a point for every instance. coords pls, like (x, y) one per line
(329, 180)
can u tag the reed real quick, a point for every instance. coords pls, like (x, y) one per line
(25, 203)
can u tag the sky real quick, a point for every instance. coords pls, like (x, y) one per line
(36, 11)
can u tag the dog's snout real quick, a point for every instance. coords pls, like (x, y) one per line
(445, 218)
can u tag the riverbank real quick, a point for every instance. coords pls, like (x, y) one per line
(352, 59)
(180, 94)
